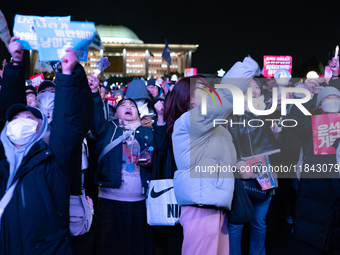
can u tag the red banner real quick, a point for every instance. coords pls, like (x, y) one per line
(273, 63)
(326, 129)
(190, 72)
(37, 79)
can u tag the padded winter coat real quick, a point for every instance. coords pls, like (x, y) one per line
(36, 220)
(202, 150)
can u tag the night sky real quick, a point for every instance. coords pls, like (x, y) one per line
(226, 31)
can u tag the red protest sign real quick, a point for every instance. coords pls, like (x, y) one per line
(37, 79)
(273, 63)
(326, 129)
(190, 72)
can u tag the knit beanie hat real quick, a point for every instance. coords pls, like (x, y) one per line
(153, 82)
(327, 91)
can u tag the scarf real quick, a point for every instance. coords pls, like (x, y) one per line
(129, 125)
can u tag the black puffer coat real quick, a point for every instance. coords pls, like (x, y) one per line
(36, 220)
(250, 141)
(317, 220)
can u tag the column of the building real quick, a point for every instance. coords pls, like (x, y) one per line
(180, 64)
(147, 63)
(124, 62)
(189, 58)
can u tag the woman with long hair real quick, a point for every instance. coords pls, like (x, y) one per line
(205, 196)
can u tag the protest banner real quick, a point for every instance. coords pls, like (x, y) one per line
(37, 79)
(97, 43)
(260, 166)
(190, 72)
(24, 28)
(52, 42)
(42, 66)
(4, 31)
(326, 129)
(273, 63)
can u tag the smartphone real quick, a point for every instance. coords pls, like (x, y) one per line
(142, 160)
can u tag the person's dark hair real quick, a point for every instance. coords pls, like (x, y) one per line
(123, 100)
(259, 83)
(178, 101)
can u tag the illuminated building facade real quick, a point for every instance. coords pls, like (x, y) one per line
(130, 56)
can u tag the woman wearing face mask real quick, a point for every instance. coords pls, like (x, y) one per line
(45, 99)
(317, 225)
(138, 92)
(204, 196)
(251, 142)
(122, 179)
(45, 102)
(36, 218)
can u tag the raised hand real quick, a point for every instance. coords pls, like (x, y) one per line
(69, 61)
(159, 107)
(93, 83)
(16, 50)
(334, 66)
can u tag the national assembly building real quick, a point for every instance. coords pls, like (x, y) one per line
(130, 56)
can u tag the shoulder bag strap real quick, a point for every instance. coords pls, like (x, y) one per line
(6, 198)
(110, 146)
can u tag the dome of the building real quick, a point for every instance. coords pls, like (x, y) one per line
(117, 34)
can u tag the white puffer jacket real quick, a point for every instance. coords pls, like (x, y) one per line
(198, 145)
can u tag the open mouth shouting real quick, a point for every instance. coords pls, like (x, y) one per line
(128, 112)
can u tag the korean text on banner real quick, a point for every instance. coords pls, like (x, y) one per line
(37, 79)
(273, 63)
(52, 42)
(24, 28)
(4, 31)
(326, 129)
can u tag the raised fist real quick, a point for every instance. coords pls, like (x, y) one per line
(16, 50)
(69, 61)
(93, 83)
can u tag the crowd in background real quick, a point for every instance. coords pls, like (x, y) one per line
(54, 142)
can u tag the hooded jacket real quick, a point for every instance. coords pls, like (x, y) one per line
(137, 91)
(36, 220)
(198, 146)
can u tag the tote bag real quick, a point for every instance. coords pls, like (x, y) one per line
(161, 204)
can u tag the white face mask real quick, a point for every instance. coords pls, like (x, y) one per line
(332, 106)
(20, 131)
(45, 102)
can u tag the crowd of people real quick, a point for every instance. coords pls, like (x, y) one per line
(64, 139)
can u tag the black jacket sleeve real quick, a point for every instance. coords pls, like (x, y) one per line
(100, 125)
(12, 89)
(72, 118)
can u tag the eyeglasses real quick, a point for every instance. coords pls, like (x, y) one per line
(151, 87)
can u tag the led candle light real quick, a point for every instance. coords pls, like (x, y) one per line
(336, 51)
(101, 66)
